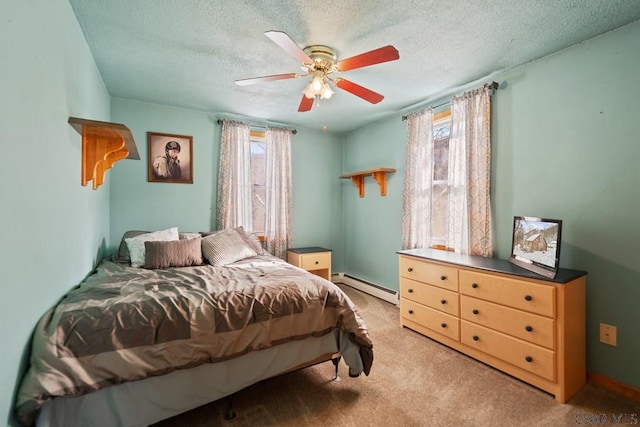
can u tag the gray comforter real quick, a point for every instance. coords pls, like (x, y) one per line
(124, 324)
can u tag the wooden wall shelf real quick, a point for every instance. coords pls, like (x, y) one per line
(103, 144)
(379, 174)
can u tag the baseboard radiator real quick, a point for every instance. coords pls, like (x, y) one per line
(366, 287)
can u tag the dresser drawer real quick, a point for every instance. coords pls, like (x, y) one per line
(527, 326)
(315, 261)
(431, 296)
(435, 320)
(537, 360)
(532, 297)
(434, 274)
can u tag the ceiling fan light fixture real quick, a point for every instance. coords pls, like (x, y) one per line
(326, 91)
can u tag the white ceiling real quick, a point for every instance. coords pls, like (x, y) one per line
(187, 53)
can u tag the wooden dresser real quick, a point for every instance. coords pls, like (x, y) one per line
(519, 322)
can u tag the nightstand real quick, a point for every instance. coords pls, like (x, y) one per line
(315, 260)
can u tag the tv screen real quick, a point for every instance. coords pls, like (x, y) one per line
(536, 244)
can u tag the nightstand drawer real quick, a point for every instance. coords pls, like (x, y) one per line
(433, 274)
(535, 359)
(315, 261)
(431, 296)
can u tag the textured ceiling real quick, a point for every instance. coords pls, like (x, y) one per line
(188, 53)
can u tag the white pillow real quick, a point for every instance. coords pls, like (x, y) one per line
(136, 244)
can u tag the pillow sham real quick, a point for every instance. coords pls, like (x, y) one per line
(136, 244)
(172, 253)
(189, 235)
(123, 251)
(226, 246)
(249, 237)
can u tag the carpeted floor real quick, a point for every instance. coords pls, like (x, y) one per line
(414, 382)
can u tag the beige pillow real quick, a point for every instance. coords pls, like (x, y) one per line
(225, 247)
(172, 253)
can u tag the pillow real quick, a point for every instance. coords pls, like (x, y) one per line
(249, 237)
(136, 244)
(225, 247)
(123, 251)
(172, 253)
(255, 243)
(183, 235)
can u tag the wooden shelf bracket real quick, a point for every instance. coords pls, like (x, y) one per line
(103, 144)
(379, 174)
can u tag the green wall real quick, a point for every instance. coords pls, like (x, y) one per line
(565, 145)
(54, 229)
(138, 204)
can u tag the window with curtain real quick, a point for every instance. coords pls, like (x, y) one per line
(254, 184)
(446, 197)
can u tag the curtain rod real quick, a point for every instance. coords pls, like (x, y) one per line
(492, 86)
(293, 131)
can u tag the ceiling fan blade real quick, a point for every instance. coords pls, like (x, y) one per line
(284, 41)
(357, 90)
(305, 104)
(245, 82)
(376, 56)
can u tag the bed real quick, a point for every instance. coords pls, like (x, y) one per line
(182, 323)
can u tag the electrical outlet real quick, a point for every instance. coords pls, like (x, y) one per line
(608, 334)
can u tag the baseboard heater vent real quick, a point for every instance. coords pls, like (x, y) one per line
(367, 287)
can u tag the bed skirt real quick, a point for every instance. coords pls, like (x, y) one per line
(147, 401)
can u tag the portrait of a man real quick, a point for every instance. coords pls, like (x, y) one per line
(170, 158)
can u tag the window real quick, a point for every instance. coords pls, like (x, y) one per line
(440, 184)
(258, 180)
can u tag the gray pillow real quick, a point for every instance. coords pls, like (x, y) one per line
(225, 247)
(172, 253)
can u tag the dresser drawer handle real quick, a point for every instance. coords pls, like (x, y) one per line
(475, 338)
(410, 311)
(528, 297)
(410, 269)
(317, 262)
(443, 277)
(474, 285)
(410, 290)
(444, 325)
(529, 359)
(475, 311)
(443, 301)
(528, 328)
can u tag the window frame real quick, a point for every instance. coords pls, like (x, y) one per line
(257, 136)
(440, 120)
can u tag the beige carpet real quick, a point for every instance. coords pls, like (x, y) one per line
(414, 382)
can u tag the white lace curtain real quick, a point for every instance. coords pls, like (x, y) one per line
(469, 230)
(278, 235)
(233, 207)
(234, 203)
(469, 175)
(418, 180)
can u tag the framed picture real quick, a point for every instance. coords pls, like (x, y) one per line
(170, 158)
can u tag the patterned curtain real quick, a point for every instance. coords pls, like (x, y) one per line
(418, 179)
(469, 227)
(278, 229)
(233, 207)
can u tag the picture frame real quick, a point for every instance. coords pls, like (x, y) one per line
(170, 158)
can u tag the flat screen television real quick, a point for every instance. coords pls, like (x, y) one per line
(536, 244)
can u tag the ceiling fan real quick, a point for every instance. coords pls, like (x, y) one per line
(318, 62)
